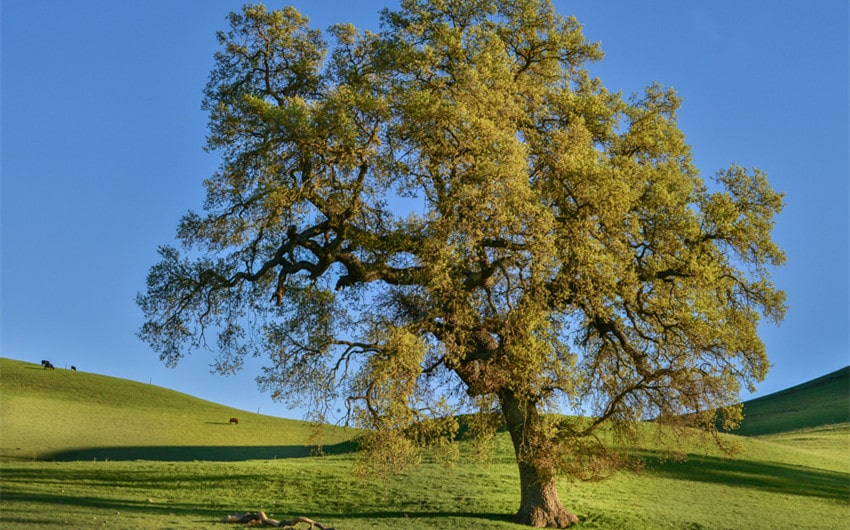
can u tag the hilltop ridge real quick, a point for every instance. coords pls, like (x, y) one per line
(68, 415)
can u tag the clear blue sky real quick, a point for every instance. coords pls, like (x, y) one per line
(102, 137)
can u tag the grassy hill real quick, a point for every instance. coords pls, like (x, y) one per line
(63, 415)
(821, 401)
(83, 450)
(67, 415)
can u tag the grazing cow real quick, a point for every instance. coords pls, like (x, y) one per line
(74, 368)
(48, 364)
(234, 421)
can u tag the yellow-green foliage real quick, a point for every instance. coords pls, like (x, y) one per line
(564, 247)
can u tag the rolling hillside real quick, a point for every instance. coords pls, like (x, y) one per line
(821, 401)
(66, 415)
(87, 451)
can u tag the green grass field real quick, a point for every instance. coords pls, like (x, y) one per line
(66, 415)
(822, 401)
(85, 451)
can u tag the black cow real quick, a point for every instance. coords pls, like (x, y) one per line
(74, 368)
(48, 364)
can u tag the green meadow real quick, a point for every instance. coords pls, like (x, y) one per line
(87, 451)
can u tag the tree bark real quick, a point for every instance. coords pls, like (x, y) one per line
(539, 505)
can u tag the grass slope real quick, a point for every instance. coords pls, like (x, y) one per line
(798, 479)
(754, 491)
(66, 415)
(821, 401)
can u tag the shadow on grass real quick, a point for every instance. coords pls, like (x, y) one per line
(100, 503)
(157, 491)
(190, 453)
(770, 476)
(211, 514)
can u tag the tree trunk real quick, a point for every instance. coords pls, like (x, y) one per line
(539, 503)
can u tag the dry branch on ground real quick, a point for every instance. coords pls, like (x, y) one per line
(260, 518)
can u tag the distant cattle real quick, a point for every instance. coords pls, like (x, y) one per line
(234, 421)
(48, 364)
(74, 368)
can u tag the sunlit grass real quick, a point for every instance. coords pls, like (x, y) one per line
(66, 415)
(704, 492)
(827, 447)
(192, 468)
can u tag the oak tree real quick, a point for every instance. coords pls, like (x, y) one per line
(452, 215)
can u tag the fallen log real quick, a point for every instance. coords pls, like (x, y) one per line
(260, 518)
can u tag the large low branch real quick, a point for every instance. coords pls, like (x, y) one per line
(332, 251)
(358, 271)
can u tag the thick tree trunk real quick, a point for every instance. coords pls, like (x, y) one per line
(539, 503)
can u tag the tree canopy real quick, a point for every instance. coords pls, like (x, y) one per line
(452, 215)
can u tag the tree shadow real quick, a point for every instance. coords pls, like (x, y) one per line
(209, 515)
(769, 476)
(190, 453)
(57, 503)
